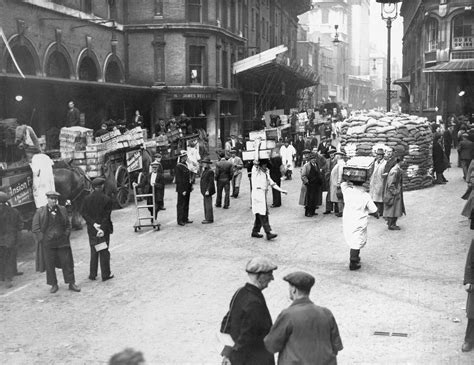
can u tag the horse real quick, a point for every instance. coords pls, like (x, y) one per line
(26, 139)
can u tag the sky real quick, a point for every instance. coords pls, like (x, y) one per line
(378, 32)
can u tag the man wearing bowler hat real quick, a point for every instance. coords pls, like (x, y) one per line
(51, 227)
(248, 320)
(183, 188)
(96, 210)
(208, 189)
(304, 333)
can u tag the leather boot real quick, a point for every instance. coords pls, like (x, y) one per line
(354, 263)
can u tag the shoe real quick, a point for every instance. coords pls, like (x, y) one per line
(271, 236)
(217, 206)
(226, 207)
(275, 206)
(188, 221)
(162, 209)
(339, 215)
(327, 212)
(91, 277)
(111, 276)
(354, 266)
(54, 289)
(206, 222)
(181, 223)
(74, 287)
(308, 215)
(19, 273)
(394, 228)
(257, 235)
(9, 284)
(466, 347)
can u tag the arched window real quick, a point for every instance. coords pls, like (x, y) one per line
(87, 70)
(463, 31)
(432, 34)
(113, 73)
(25, 61)
(57, 66)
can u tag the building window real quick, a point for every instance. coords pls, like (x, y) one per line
(430, 90)
(158, 7)
(194, 11)
(225, 16)
(87, 6)
(463, 31)
(225, 70)
(432, 34)
(112, 9)
(253, 19)
(325, 16)
(196, 55)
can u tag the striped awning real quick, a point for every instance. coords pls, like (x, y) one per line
(452, 66)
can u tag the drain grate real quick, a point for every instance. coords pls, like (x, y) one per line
(393, 334)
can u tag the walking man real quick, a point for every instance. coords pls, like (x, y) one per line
(377, 180)
(10, 227)
(208, 189)
(224, 171)
(394, 206)
(304, 333)
(299, 147)
(51, 227)
(248, 320)
(275, 175)
(96, 210)
(237, 165)
(183, 188)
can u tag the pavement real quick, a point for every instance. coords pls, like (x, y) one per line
(172, 287)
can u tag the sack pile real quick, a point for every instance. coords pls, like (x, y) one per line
(362, 135)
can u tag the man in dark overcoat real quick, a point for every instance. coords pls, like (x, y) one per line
(224, 173)
(248, 320)
(469, 286)
(208, 189)
(304, 333)
(10, 227)
(96, 210)
(275, 175)
(183, 188)
(52, 228)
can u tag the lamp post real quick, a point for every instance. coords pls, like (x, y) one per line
(389, 12)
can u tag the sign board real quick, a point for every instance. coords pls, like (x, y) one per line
(21, 192)
(134, 160)
(393, 94)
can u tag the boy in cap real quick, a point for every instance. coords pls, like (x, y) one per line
(96, 210)
(51, 227)
(10, 226)
(304, 333)
(208, 189)
(248, 320)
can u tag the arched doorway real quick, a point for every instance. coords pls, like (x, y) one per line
(113, 72)
(88, 69)
(57, 66)
(24, 58)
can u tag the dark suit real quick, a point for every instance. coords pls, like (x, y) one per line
(158, 189)
(248, 322)
(275, 175)
(224, 173)
(207, 185)
(183, 185)
(97, 208)
(299, 147)
(72, 117)
(52, 236)
(10, 226)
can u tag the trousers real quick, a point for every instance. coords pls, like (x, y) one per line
(99, 256)
(62, 255)
(7, 263)
(223, 185)
(261, 220)
(182, 207)
(208, 210)
(469, 331)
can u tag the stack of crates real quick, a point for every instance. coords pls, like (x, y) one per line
(72, 139)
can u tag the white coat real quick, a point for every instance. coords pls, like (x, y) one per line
(335, 180)
(287, 154)
(358, 205)
(377, 181)
(43, 178)
(193, 158)
(261, 183)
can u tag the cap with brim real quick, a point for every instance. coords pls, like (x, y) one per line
(233, 151)
(158, 155)
(155, 164)
(259, 265)
(4, 197)
(340, 153)
(98, 181)
(53, 194)
(306, 151)
(380, 151)
(300, 280)
(206, 160)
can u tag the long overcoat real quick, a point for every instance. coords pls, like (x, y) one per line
(394, 187)
(335, 180)
(377, 181)
(469, 279)
(261, 183)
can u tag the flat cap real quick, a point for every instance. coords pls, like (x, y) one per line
(53, 193)
(3, 197)
(306, 151)
(380, 151)
(259, 265)
(155, 163)
(98, 181)
(300, 280)
(340, 153)
(206, 160)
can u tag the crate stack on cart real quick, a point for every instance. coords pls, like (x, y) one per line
(74, 139)
(266, 141)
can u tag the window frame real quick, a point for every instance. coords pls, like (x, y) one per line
(201, 67)
(192, 5)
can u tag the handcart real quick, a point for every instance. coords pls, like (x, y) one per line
(141, 218)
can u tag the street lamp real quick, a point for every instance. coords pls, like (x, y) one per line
(336, 40)
(389, 12)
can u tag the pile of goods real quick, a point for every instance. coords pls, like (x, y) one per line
(267, 143)
(358, 168)
(91, 160)
(7, 131)
(73, 139)
(362, 135)
(115, 140)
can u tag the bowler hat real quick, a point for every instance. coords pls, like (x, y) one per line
(53, 193)
(206, 160)
(98, 181)
(3, 197)
(300, 280)
(260, 265)
(380, 151)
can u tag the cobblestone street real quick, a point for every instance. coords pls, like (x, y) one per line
(172, 287)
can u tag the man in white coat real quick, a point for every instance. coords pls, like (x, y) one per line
(287, 154)
(335, 181)
(357, 206)
(377, 180)
(261, 183)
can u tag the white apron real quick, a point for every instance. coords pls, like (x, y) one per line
(43, 178)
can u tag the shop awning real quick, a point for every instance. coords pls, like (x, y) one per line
(452, 66)
(406, 80)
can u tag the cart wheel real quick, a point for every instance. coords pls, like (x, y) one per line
(122, 179)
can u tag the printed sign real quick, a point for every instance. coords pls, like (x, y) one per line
(134, 161)
(21, 192)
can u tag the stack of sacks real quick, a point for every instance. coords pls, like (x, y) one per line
(361, 135)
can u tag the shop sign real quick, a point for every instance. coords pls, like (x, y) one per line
(193, 96)
(134, 161)
(21, 192)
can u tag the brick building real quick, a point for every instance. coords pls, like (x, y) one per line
(164, 58)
